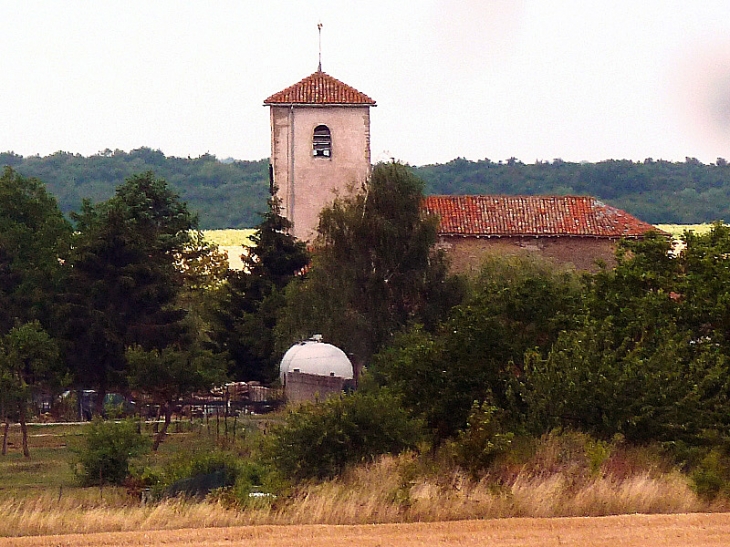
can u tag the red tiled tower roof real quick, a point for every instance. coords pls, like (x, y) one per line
(547, 216)
(319, 88)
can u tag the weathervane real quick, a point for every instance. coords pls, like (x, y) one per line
(319, 28)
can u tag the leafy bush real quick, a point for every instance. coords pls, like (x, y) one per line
(476, 447)
(319, 440)
(712, 476)
(223, 474)
(106, 451)
(190, 474)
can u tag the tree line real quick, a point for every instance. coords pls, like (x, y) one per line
(125, 296)
(224, 194)
(232, 194)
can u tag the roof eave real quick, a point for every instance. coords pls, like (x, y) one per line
(536, 236)
(349, 105)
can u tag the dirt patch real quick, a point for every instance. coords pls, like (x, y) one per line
(688, 530)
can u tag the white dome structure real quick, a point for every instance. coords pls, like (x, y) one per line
(317, 358)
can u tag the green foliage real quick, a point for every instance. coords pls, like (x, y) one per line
(34, 238)
(516, 304)
(656, 391)
(650, 360)
(476, 447)
(224, 194)
(31, 357)
(106, 451)
(319, 440)
(169, 374)
(29, 364)
(187, 466)
(243, 482)
(247, 307)
(230, 194)
(375, 269)
(711, 476)
(126, 278)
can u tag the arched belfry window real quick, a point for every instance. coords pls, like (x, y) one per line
(322, 141)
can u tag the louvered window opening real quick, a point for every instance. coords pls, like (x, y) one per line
(322, 142)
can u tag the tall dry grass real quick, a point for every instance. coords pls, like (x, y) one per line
(388, 490)
(43, 517)
(378, 493)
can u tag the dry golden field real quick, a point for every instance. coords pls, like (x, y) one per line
(685, 530)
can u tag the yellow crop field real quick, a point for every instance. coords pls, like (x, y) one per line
(229, 238)
(677, 230)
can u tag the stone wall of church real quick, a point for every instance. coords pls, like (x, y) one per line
(582, 253)
(307, 183)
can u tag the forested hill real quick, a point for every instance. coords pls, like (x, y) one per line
(224, 194)
(231, 194)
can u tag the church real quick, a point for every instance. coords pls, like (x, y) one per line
(320, 148)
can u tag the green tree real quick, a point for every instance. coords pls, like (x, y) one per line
(34, 242)
(29, 364)
(648, 360)
(704, 291)
(171, 374)
(106, 450)
(125, 279)
(657, 389)
(247, 306)
(375, 269)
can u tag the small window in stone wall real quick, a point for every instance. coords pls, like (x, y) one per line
(322, 142)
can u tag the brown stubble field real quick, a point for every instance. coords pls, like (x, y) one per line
(685, 530)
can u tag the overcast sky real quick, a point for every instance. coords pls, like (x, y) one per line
(579, 80)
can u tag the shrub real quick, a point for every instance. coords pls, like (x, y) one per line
(224, 474)
(190, 474)
(476, 447)
(106, 451)
(320, 440)
(711, 477)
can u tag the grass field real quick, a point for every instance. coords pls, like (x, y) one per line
(48, 473)
(40, 496)
(696, 530)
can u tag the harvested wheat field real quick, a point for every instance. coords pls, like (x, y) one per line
(686, 530)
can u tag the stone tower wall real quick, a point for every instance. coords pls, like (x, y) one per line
(317, 180)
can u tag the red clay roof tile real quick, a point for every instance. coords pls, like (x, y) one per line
(495, 216)
(319, 88)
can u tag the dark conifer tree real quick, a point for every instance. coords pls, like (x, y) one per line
(124, 281)
(250, 301)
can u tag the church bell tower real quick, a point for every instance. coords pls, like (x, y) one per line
(320, 146)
